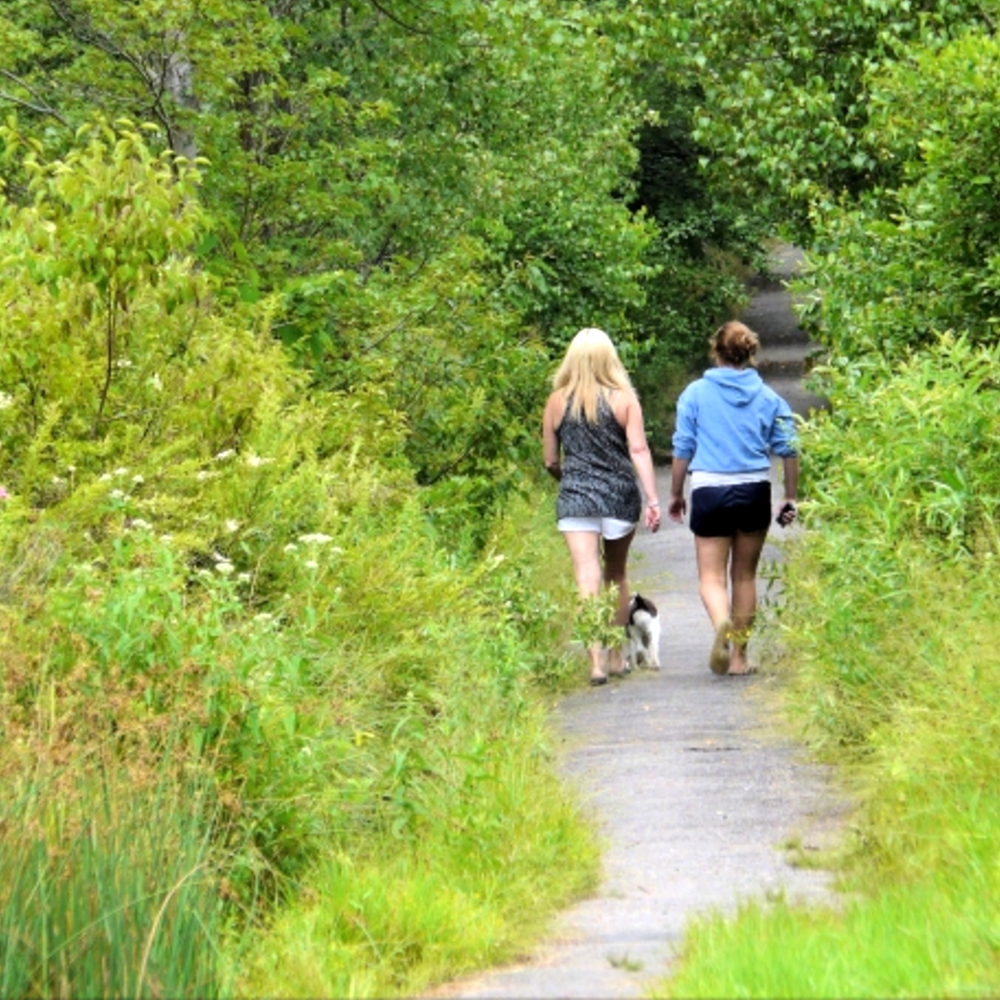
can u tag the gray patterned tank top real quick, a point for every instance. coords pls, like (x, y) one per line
(598, 478)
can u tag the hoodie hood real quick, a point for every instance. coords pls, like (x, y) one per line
(739, 386)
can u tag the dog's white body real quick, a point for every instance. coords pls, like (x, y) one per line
(643, 631)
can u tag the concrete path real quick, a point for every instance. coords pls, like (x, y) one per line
(692, 785)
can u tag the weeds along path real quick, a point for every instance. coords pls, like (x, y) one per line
(695, 789)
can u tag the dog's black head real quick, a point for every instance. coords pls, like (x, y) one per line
(640, 603)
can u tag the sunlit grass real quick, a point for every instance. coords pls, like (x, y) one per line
(912, 941)
(384, 807)
(477, 885)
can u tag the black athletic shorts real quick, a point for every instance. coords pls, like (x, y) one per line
(721, 511)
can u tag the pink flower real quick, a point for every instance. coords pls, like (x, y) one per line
(4, 495)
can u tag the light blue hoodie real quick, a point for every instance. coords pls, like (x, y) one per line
(730, 421)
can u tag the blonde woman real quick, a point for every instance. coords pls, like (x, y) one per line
(594, 444)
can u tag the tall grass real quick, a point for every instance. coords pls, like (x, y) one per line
(397, 915)
(107, 889)
(475, 843)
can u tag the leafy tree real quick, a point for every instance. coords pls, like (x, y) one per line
(380, 168)
(787, 99)
(911, 262)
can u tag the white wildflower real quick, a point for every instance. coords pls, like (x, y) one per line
(121, 471)
(225, 568)
(123, 363)
(106, 477)
(156, 382)
(117, 495)
(255, 461)
(244, 578)
(291, 547)
(6, 400)
(223, 455)
(57, 480)
(166, 539)
(140, 525)
(315, 539)
(138, 480)
(311, 564)
(232, 525)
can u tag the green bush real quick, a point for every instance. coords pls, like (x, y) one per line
(900, 474)
(218, 572)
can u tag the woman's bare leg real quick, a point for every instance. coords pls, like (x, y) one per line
(713, 582)
(616, 573)
(585, 551)
(747, 547)
(713, 577)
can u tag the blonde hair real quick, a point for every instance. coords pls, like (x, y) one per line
(590, 369)
(735, 344)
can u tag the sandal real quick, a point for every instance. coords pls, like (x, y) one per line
(596, 680)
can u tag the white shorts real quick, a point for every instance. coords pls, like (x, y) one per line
(607, 527)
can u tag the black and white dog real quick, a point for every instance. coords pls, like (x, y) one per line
(643, 632)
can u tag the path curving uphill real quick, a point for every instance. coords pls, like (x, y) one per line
(687, 778)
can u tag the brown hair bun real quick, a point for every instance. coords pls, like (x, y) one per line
(735, 344)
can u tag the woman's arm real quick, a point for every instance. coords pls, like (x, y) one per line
(642, 459)
(550, 443)
(678, 473)
(791, 469)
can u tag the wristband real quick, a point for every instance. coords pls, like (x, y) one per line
(652, 503)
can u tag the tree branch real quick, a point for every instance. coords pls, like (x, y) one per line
(41, 108)
(395, 20)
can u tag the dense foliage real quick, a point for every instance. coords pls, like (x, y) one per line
(788, 92)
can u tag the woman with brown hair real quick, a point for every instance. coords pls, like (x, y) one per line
(594, 444)
(729, 423)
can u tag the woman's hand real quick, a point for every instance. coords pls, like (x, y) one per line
(677, 508)
(653, 515)
(787, 513)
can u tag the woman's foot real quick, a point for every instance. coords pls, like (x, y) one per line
(738, 665)
(596, 680)
(719, 658)
(617, 667)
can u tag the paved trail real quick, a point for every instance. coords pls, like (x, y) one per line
(691, 785)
